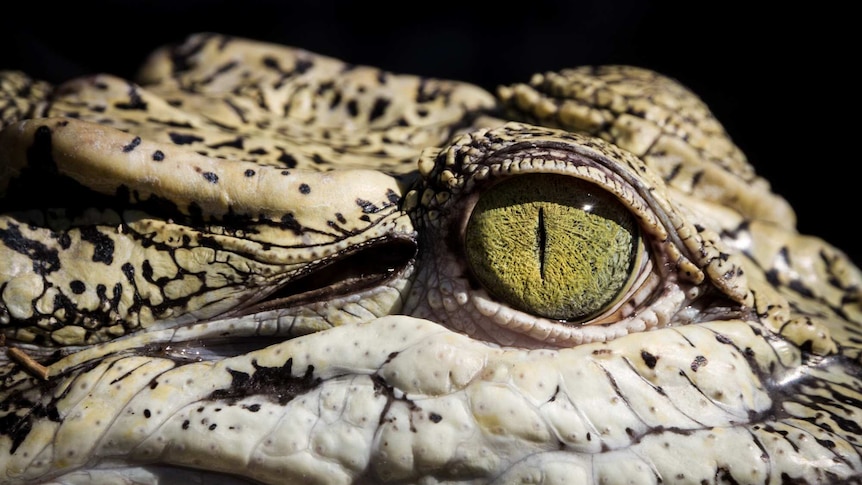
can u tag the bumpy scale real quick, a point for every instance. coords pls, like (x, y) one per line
(258, 264)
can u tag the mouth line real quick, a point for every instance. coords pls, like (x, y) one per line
(359, 269)
(350, 273)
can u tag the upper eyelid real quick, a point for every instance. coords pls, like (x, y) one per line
(454, 175)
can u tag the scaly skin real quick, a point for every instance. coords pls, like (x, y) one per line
(250, 267)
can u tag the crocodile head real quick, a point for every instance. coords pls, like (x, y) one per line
(261, 265)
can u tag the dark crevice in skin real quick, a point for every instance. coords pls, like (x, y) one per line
(367, 266)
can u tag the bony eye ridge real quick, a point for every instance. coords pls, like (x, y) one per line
(552, 245)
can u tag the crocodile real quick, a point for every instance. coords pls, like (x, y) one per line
(258, 264)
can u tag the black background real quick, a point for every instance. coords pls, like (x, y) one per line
(779, 79)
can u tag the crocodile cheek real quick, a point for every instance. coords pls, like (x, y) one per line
(285, 412)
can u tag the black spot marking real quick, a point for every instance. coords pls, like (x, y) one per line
(554, 397)
(723, 338)
(435, 418)
(367, 207)
(392, 196)
(290, 222)
(352, 108)
(249, 173)
(102, 293)
(287, 159)
(829, 444)
(238, 143)
(158, 155)
(45, 260)
(172, 124)
(649, 359)
(186, 424)
(103, 246)
(147, 270)
(302, 66)
(181, 139)
(800, 288)
(77, 287)
(304, 189)
(116, 294)
(129, 271)
(278, 383)
(698, 362)
(340, 217)
(253, 408)
(210, 177)
(135, 102)
(147, 413)
(847, 424)
(132, 145)
(65, 240)
(772, 277)
(212, 426)
(379, 108)
(63, 302)
(673, 172)
(271, 63)
(18, 427)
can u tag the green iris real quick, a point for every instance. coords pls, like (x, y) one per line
(552, 245)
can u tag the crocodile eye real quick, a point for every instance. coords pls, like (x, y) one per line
(552, 245)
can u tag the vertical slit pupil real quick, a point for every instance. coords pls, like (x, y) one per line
(541, 240)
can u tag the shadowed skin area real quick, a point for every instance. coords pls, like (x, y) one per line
(256, 264)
